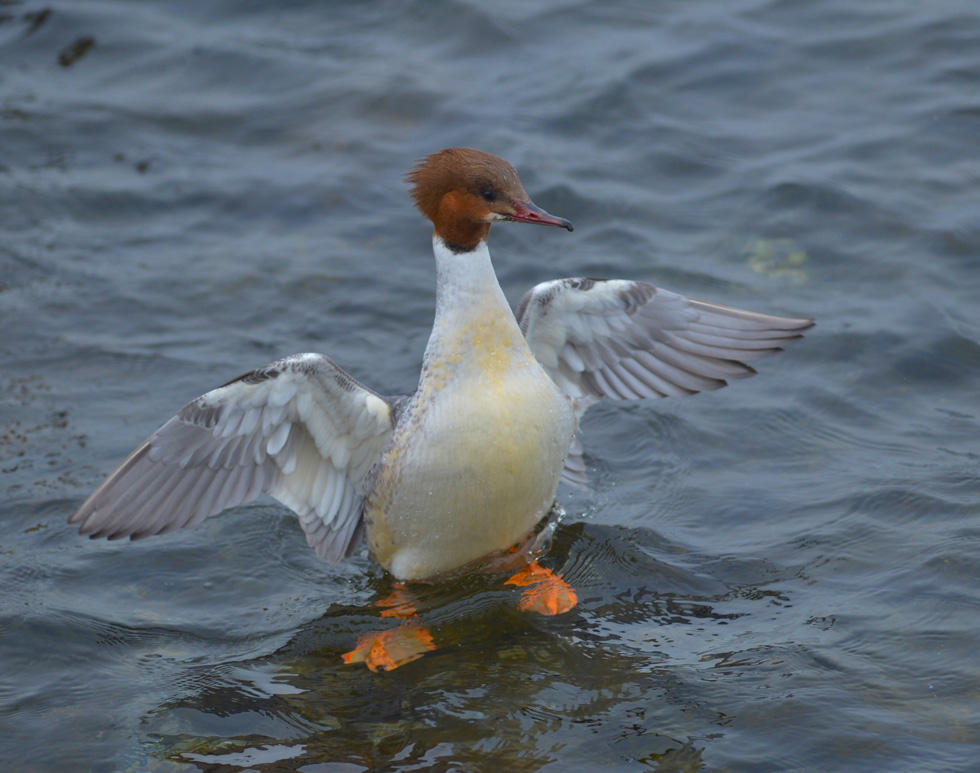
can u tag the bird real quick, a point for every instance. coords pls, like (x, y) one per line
(469, 463)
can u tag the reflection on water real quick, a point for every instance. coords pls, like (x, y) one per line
(515, 680)
(616, 679)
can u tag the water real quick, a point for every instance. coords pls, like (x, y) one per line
(778, 576)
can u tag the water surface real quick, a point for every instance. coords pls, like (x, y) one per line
(778, 576)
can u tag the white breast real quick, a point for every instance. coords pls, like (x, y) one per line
(475, 461)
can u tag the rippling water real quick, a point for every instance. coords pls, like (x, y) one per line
(779, 576)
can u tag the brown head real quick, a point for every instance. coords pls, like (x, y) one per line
(462, 191)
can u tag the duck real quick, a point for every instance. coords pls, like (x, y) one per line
(469, 464)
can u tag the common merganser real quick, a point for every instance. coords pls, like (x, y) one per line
(467, 465)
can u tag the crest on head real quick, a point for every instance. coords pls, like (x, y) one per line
(462, 191)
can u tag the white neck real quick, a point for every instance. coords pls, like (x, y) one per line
(466, 284)
(468, 298)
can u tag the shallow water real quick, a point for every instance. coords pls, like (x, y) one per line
(778, 576)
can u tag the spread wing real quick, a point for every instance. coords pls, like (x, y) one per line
(624, 340)
(300, 429)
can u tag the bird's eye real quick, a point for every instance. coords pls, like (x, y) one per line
(489, 195)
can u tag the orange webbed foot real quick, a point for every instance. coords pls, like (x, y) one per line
(544, 591)
(399, 603)
(387, 650)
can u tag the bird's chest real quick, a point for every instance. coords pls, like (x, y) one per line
(486, 413)
(476, 460)
(494, 427)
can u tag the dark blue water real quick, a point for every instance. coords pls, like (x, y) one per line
(779, 576)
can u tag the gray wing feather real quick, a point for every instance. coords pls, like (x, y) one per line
(574, 473)
(627, 340)
(300, 429)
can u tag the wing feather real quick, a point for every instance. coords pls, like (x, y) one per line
(627, 340)
(300, 429)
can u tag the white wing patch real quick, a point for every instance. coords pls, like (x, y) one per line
(300, 429)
